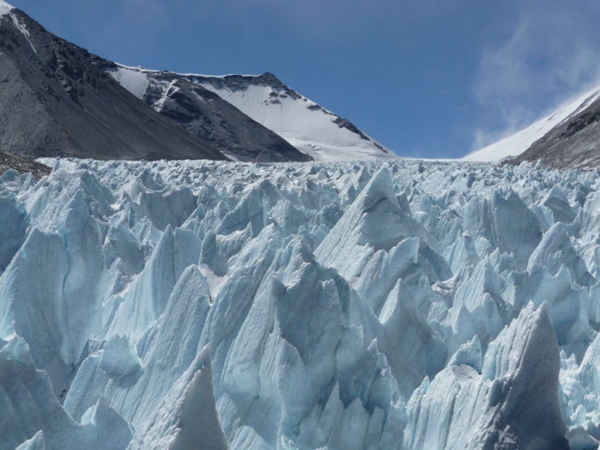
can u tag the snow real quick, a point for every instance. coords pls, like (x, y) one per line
(382, 304)
(169, 90)
(119, 358)
(135, 81)
(300, 121)
(517, 143)
(5, 8)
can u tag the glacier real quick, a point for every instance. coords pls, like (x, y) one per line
(389, 304)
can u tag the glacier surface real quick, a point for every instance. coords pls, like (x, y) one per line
(392, 304)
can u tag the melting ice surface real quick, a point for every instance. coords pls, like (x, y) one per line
(396, 304)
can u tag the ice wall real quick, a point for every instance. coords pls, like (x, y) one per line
(401, 304)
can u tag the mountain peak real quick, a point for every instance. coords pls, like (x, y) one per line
(270, 79)
(304, 130)
(243, 117)
(314, 130)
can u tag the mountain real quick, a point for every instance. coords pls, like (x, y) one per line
(574, 143)
(387, 304)
(318, 133)
(73, 103)
(54, 100)
(567, 138)
(206, 115)
(309, 127)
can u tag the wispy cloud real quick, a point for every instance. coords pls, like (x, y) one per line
(551, 52)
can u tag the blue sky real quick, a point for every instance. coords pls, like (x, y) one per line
(433, 78)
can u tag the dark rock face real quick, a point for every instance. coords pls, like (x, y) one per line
(205, 114)
(574, 144)
(55, 100)
(241, 83)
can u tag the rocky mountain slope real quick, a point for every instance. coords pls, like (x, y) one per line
(206, 115)
(55, 101)
(567, 138)
(22, 165)
(574, 143)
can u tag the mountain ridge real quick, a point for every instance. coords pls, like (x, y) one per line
(269, 101)
(56, 102)
(80, 111)
(306, 125)
(572, 144)
(540, 140)
(204, 114)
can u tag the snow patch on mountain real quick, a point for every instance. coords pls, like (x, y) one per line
(517, 143)
(5, 8)
(135, 81)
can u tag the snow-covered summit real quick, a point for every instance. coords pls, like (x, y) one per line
(307, 126)
(302, 122)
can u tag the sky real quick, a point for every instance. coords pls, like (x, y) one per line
(428, 78)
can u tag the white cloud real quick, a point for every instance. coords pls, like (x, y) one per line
(552, 51)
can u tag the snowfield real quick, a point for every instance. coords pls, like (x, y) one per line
(390, 304)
